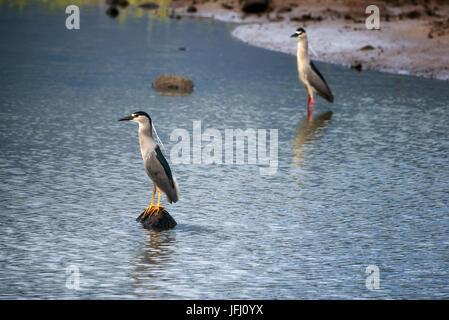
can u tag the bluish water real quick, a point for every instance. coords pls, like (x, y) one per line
(370, 186)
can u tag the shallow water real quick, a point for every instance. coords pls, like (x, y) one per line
(367, 187)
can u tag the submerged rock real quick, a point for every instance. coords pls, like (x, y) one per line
(162, 221)
(172, 85)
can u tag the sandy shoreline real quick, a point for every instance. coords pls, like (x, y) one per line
(413, 38)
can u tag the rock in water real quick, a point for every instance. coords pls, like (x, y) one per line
(172, 85)
(162, 221)
(112, 12)
(149, 5)
(254, 6)
(357, 66)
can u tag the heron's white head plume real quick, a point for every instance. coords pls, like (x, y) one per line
(158, 140)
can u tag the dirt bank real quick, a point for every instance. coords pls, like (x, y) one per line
(413, 37)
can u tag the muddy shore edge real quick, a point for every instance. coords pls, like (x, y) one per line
(413, 38)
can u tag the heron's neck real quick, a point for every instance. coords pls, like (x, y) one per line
(146, 140)
(302, 51)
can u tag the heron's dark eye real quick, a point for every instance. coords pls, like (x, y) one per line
(136, 116)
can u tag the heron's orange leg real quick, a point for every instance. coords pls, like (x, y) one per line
(150, 208)
(158, 207)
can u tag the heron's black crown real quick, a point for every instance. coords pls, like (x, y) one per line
(300, 30)
(142, 113)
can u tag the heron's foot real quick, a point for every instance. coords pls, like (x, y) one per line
(148, 211)
(156, 210)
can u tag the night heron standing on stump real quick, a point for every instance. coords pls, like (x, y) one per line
(309, 75)
(155, 164)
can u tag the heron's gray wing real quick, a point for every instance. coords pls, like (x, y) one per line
(159, 171)
(318, 83)
(164, 164)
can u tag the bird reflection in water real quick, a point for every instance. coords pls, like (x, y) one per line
(151, 258)
(306, 132)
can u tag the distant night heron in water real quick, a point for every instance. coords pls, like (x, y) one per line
(155, 164)
(309, 75)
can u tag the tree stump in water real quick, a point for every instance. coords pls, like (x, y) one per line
(159, 222)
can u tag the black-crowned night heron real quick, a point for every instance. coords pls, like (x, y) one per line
(155, 163)
(309, 75)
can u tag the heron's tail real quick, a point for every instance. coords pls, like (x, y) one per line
(173, 195)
